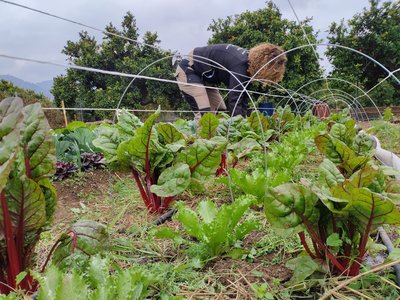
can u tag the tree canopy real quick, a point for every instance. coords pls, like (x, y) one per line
(87, 89)
(376, 32)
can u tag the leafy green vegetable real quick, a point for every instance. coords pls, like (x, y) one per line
(95, 281)
(27, 196)
(215, 229)
(82, 241)
(174, 180)
(352, 198)
(208, 126)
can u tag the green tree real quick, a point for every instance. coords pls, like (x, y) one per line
(376, 32)
(88, 89)
(267, 25)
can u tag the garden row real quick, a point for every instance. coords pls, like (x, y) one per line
(333, 213)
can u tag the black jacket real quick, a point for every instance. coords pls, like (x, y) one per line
(210, 62)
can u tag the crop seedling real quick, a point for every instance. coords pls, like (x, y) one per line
(215, 230)
(95, 281)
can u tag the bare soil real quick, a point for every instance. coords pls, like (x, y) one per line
(72, 192)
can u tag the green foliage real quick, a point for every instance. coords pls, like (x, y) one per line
(27, 196)
(353, 197)
(388, 115)
(173, 181)
(203, 158)
(267, 25)
(208, 126)
(85, 89)
(387, 133)
(96, 281)
(161, 158)
(8, 89)
(215, 230)
(368, 32)
(73, 141)
(83, 240)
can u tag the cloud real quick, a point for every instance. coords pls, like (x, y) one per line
(180, 24)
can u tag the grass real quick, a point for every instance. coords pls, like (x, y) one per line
(388, 134)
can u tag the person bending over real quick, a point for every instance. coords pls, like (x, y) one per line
(205, 67)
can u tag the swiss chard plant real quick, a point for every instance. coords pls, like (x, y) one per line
(27, 196)
(82, 241)
(215, 230)
(244, 136)
(162, 161)
(353, 197)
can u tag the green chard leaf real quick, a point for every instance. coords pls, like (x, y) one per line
(329, 174)
(372, 209)
(208, 126)
(128, 124)
(37, 142)
(203, 157)
(244, 147)
(107, 141)
(144, 150)
(290, 206)
(26, 203)
(257, 121)
(169, 133)
(172, 181)
(11, 118)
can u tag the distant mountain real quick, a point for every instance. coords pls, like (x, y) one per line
(40, 87)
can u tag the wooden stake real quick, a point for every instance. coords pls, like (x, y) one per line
(64, 113)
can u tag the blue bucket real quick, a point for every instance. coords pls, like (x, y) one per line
(267, 109)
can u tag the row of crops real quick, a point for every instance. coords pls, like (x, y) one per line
(333, 202)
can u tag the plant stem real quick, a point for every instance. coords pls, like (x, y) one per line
(141, 190)
(12, 254)
(314, 236)
(49, 255)
(167, 201)
(355, 267)
(347, 282)
(317, 252)
(304, 243)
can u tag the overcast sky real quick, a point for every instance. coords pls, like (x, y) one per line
(181, 24)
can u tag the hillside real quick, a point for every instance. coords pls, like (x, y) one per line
(8, 89)
(39, 87)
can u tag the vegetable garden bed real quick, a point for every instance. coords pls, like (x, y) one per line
(295, 229)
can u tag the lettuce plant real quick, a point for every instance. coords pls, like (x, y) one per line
(95, 281)
(27, 196)
(215, 230)
(354, 197)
